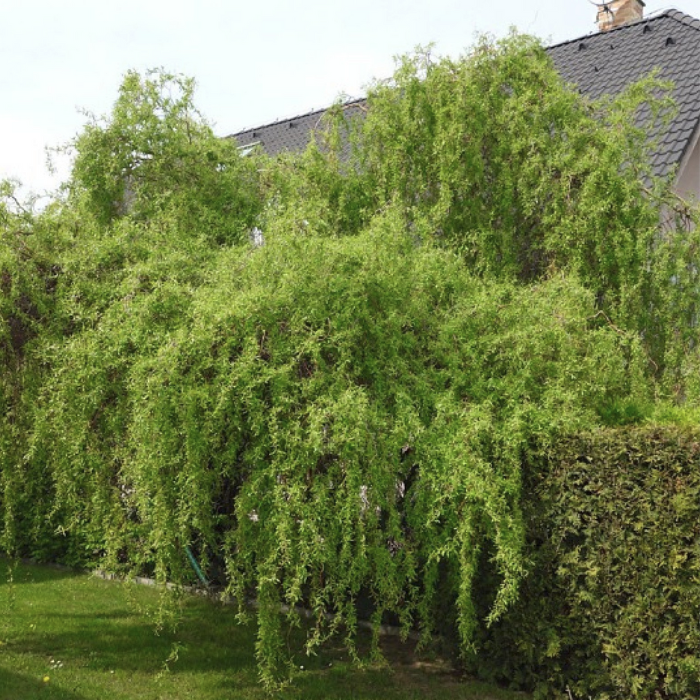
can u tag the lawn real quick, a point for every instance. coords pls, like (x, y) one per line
(71, 636)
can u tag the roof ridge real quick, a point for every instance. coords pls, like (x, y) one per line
(303, 115)
(643, 20)
(684, 18)
(672, 13)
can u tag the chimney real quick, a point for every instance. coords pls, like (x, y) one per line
(615, 13)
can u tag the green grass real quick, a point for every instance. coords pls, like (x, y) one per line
(69, 636)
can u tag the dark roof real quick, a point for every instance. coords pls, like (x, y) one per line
(291, 134)
(599, 64)
(605, 63)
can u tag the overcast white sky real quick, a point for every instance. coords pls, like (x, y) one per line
(254, 61)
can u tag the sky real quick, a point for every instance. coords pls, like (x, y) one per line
(254, 62)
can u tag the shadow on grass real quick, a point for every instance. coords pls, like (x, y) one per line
(207, 656)
(25, 573)
(14, 686)
(220, 653)
(407, 675)
(124, 640)
(105, 633)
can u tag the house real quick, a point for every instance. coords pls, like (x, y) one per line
(608, 61)
(627, 47)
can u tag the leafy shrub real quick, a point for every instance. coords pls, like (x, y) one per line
(493, 156)
(332, 420)
(29, 273)
(611, 606)
(156, 154)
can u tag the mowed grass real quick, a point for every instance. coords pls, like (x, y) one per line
(70, 636)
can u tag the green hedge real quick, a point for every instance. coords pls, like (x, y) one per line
(611, 608)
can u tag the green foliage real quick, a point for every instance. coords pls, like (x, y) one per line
(155, 155)
(338, 420)
(611, 607)
(27, 276)
(28, 279)
(493, 156)
(342, 413)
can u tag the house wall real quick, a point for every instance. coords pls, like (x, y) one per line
(689, 178)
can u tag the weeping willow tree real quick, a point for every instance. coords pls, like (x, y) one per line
(493, 157)
(343, 412)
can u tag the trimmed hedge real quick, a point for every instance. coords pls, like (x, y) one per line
(611, 608)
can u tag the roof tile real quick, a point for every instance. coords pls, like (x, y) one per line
(640, 48)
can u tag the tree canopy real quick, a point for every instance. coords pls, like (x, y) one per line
(344, 412)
